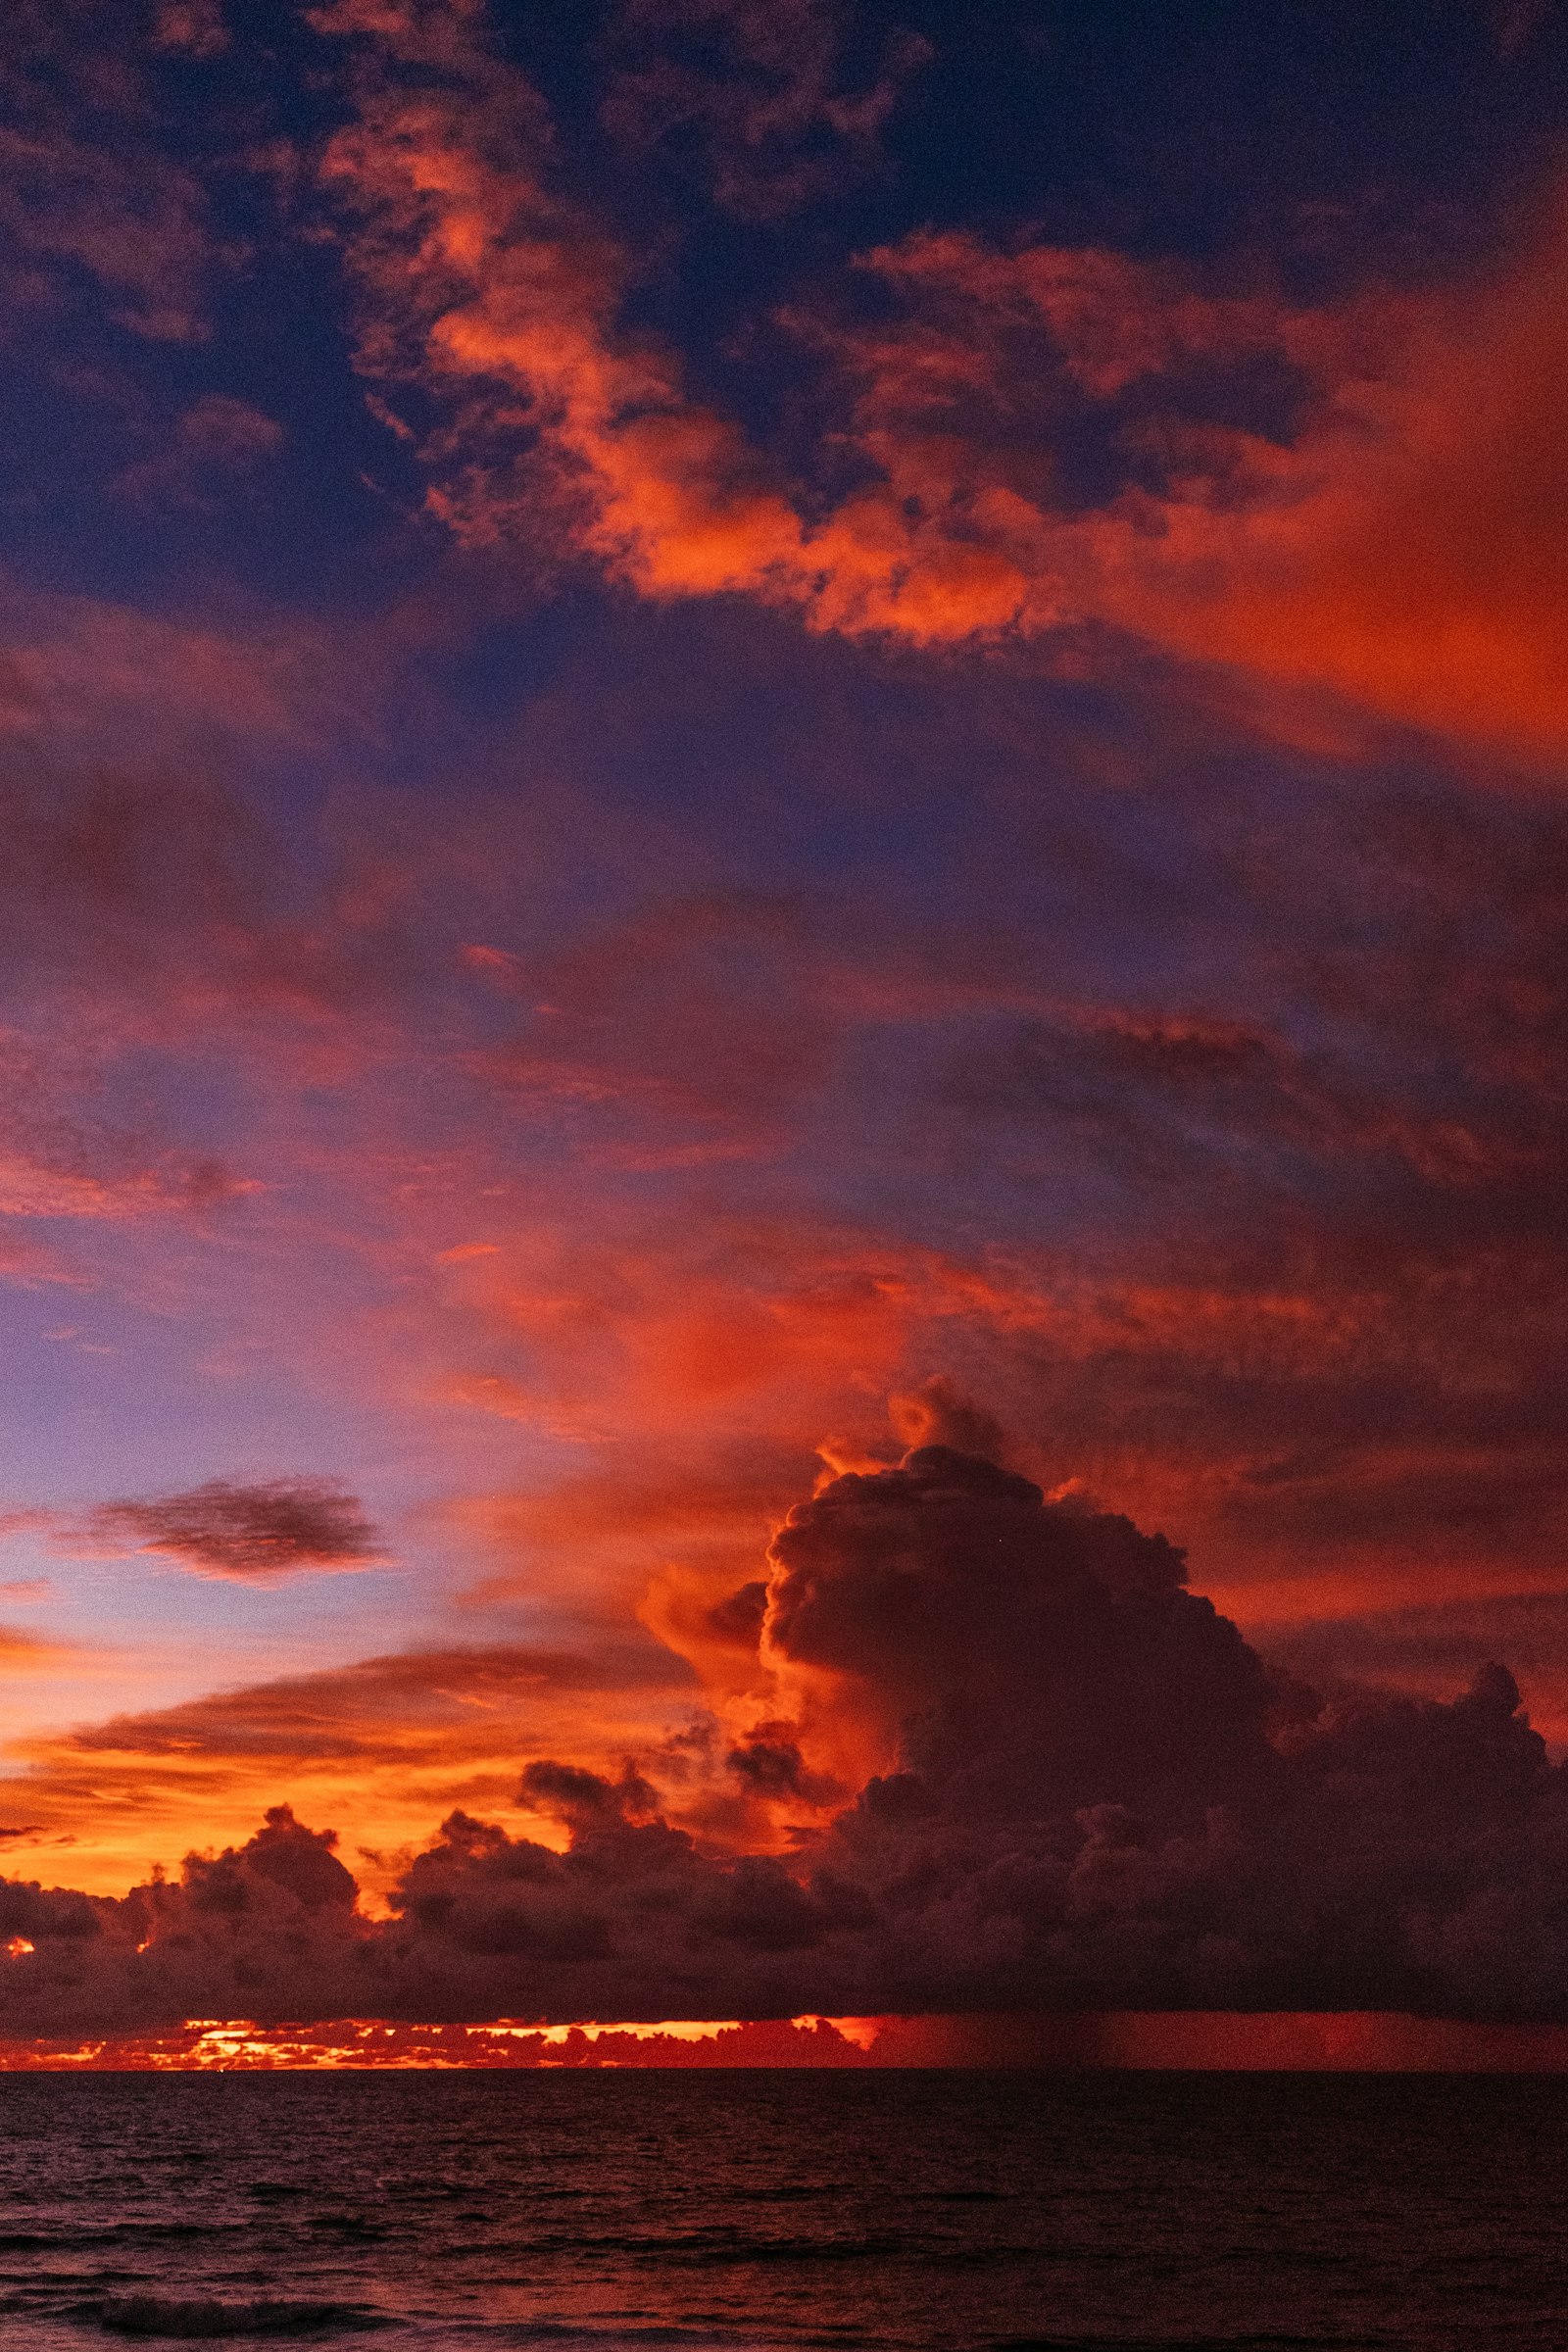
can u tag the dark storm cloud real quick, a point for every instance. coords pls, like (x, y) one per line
(250, 1534)
(768, 1762)
(1108, 1682)
(1433, 1643)
(936, 1413)
(1100, 1796)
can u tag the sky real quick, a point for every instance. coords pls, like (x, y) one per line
(782, 997)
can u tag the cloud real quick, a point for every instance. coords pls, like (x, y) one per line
(894, 1579)
(1323, 495)
(148, 909)
(213, 442)
(1414, 562)
(753, 94)
(88, 196)
(193, 27)
(702, 1011)
(937, 1413)
(477, 280)
(1043, 440)
(22, 1653)
(379, 1709)
(1514, 24)
(80, 670)
(1431, 1646)
(1217, 1256)
(398, 1741)
(1197, 1109)
(1092, 1795)
(61, 1158)
(249, 1534)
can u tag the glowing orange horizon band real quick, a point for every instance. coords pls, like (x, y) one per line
(1198, 2040)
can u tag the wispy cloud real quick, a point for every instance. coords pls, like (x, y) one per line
(252, 1534)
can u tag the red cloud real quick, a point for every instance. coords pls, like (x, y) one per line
(477, 278)
(1389, 533)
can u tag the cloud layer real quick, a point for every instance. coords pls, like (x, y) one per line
(683, 749)
(1092, 1795)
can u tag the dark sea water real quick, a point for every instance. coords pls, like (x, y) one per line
(784, 2210)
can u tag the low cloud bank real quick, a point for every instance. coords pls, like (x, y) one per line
(1102, 1798)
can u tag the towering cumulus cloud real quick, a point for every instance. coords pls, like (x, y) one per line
(1089, 1793)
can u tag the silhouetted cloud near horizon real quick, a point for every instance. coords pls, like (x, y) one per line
(1101, 1797)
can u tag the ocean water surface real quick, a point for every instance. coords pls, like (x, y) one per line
(933, 2212)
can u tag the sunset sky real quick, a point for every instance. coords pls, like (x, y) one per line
(738, 738)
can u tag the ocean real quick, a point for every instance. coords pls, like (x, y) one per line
(936, 2212)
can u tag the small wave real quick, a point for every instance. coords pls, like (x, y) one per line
(347, 2225)
(1194, 2343)
(158, 2316)
(963, 2196)
(611, 2335)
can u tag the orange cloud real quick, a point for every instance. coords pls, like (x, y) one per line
(1089, 1786)
(474, 274)
(703, 1367)
(27, 1654)
(748, 1325)
(390, 1745)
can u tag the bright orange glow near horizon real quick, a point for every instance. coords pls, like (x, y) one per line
(1170, 2041)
